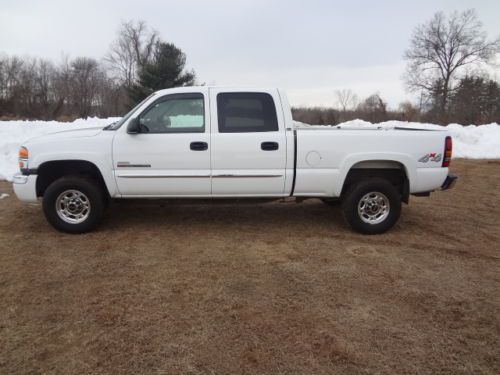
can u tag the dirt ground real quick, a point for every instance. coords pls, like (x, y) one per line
(275, 288)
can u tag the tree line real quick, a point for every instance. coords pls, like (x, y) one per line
(447, 60)
(475, 99)
(138, 62)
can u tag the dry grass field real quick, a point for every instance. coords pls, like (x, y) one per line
(276, 288)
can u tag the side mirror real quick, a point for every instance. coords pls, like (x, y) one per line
(134, 126)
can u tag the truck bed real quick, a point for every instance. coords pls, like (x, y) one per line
(326, 153)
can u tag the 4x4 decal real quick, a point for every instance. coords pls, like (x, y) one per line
(432, 156)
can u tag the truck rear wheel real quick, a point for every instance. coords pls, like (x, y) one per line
(74, 204)
(372, 206)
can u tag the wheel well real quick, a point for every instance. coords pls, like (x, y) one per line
(392, 171)
(50, 171)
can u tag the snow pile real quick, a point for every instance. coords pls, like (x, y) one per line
(475, 142)
(14, 133)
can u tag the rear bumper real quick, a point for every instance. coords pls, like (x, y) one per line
(449, 182)
(25, 187)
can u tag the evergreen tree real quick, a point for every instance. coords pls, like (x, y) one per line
(165, 70)
(476, 100)
(492, 98)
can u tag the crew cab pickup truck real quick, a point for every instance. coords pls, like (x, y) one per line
(209, 142)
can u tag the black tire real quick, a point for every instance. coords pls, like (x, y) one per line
(376, 189)
(90, 189)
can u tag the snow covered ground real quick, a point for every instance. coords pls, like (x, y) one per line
(475, 142)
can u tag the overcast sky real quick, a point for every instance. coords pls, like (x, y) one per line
(309, 47)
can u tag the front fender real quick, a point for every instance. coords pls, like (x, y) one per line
(104, 168)
(96, 150)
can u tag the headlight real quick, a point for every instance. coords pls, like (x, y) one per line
(23, 158)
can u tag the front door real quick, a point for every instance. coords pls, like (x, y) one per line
(171, 154)
(248, 143)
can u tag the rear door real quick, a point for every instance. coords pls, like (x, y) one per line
(248, 143)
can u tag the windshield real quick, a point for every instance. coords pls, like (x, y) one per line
(120, 122)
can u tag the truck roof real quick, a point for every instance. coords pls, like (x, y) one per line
(203, 88)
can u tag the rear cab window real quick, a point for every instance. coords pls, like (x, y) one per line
(246, 112)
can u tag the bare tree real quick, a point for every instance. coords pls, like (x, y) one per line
(86, 79)
(44, 77)
(441, 47)
(409, 112)
(131, 50)
(13, 82)
(373, 108)
(346, 99)
(61, 86)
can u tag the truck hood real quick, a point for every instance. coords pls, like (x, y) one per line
(91, 131)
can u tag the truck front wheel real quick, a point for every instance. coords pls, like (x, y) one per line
(74, 204)
(372, 206)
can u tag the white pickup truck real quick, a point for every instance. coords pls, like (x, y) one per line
(208, 142)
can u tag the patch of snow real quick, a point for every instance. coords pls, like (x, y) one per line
(475, 142)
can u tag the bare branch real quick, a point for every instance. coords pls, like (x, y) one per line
(131, 50)
(346, 99)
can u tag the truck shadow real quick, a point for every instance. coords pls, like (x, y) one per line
(271, 216)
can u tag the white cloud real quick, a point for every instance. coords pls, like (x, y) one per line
(315, 85)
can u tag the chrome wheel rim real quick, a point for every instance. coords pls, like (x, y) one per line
(73, 207)
(374, 207)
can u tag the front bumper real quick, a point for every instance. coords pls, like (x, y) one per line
(449, 182)
(25, 187)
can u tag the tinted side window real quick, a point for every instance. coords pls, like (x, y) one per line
(241, 112)
(178, 113)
